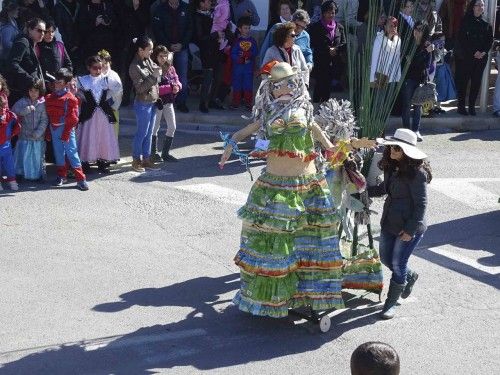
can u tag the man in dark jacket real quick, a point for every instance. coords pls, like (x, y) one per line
(65, 15)
(172, 27)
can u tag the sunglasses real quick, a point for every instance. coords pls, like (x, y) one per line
(396, 148)
(96, 67)
(292, 35)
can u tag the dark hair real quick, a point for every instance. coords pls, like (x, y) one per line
(329, 6)
(34, 22)
(157, 50)
(5, 87)
(408, 167)
(92, 60)
(7, 6)
(244, 21)
(50, 23)
(393, 20)
(284, 2)
(424, 27)
(38, 85)
(64, 74)
(469, 11)
(375, 358)
(282, 32)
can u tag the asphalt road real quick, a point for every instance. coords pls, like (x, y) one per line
(135, 276)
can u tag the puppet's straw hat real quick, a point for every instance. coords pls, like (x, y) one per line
(281, 71)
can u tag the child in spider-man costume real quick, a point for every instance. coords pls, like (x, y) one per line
(9, 127)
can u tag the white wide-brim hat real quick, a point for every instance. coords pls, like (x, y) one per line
(407, 140)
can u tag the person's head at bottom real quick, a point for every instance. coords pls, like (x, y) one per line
(374, 358)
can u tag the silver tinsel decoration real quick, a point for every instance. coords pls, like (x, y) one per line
(336, 119)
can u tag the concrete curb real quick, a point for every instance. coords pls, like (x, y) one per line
(230, 121)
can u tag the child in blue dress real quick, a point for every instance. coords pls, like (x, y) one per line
(30, 149)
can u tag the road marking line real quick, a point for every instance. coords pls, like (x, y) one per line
(465, 260)
(216, 192)
(465, 191)
(118, 342)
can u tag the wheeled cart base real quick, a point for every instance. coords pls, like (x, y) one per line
(322, 319)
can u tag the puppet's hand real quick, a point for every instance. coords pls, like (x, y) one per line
(363, 143)
(225, 156)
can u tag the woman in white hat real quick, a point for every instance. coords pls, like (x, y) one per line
(289, 255)
(406, 175)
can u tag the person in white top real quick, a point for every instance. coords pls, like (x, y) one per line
(386, 55)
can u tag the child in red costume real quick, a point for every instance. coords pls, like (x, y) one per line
(62, 110)
(9, 127)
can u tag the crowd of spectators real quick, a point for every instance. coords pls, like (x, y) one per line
(323, 31)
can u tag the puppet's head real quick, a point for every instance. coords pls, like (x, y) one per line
(282, 89)
(284, 82)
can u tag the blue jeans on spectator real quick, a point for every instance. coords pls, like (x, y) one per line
(181, 67)
(394, 253)
(407, 90)
(145, 114)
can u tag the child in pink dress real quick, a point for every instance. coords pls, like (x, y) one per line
(221, 16)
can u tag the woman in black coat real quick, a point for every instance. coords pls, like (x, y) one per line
(328, 42)
(211, 57)
(52, 54)
(24, 69)
(474, 40)
(419, 63)
(406, 176)
(98, 26)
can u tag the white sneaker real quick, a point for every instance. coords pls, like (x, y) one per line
(419, 136)
(13, 185)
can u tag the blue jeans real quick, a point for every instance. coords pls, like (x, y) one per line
(407, 90)
(7, 162)
(181, 67)
(145, 114)
(63, 150)
(394, 254)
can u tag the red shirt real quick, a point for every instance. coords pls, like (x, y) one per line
(9, 126)
(62, 110)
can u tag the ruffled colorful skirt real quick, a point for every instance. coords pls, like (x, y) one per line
(289, 253)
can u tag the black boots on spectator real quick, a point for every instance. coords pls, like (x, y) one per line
(165, 154)
(155, 157)
(393, 295)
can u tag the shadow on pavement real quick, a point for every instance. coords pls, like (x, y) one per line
(492, 135)
(206, 339)
(480, 232)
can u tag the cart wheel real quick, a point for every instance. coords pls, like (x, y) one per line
(325, 323)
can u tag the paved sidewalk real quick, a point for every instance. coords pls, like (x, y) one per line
(227, 120)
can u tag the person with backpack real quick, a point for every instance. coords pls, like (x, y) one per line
(52, 54)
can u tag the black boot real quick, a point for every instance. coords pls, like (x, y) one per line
(411, 278)
(155, 157)
(165, 154)
(393, 295)
(103, 166)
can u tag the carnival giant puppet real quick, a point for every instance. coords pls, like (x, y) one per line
(289, 255)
